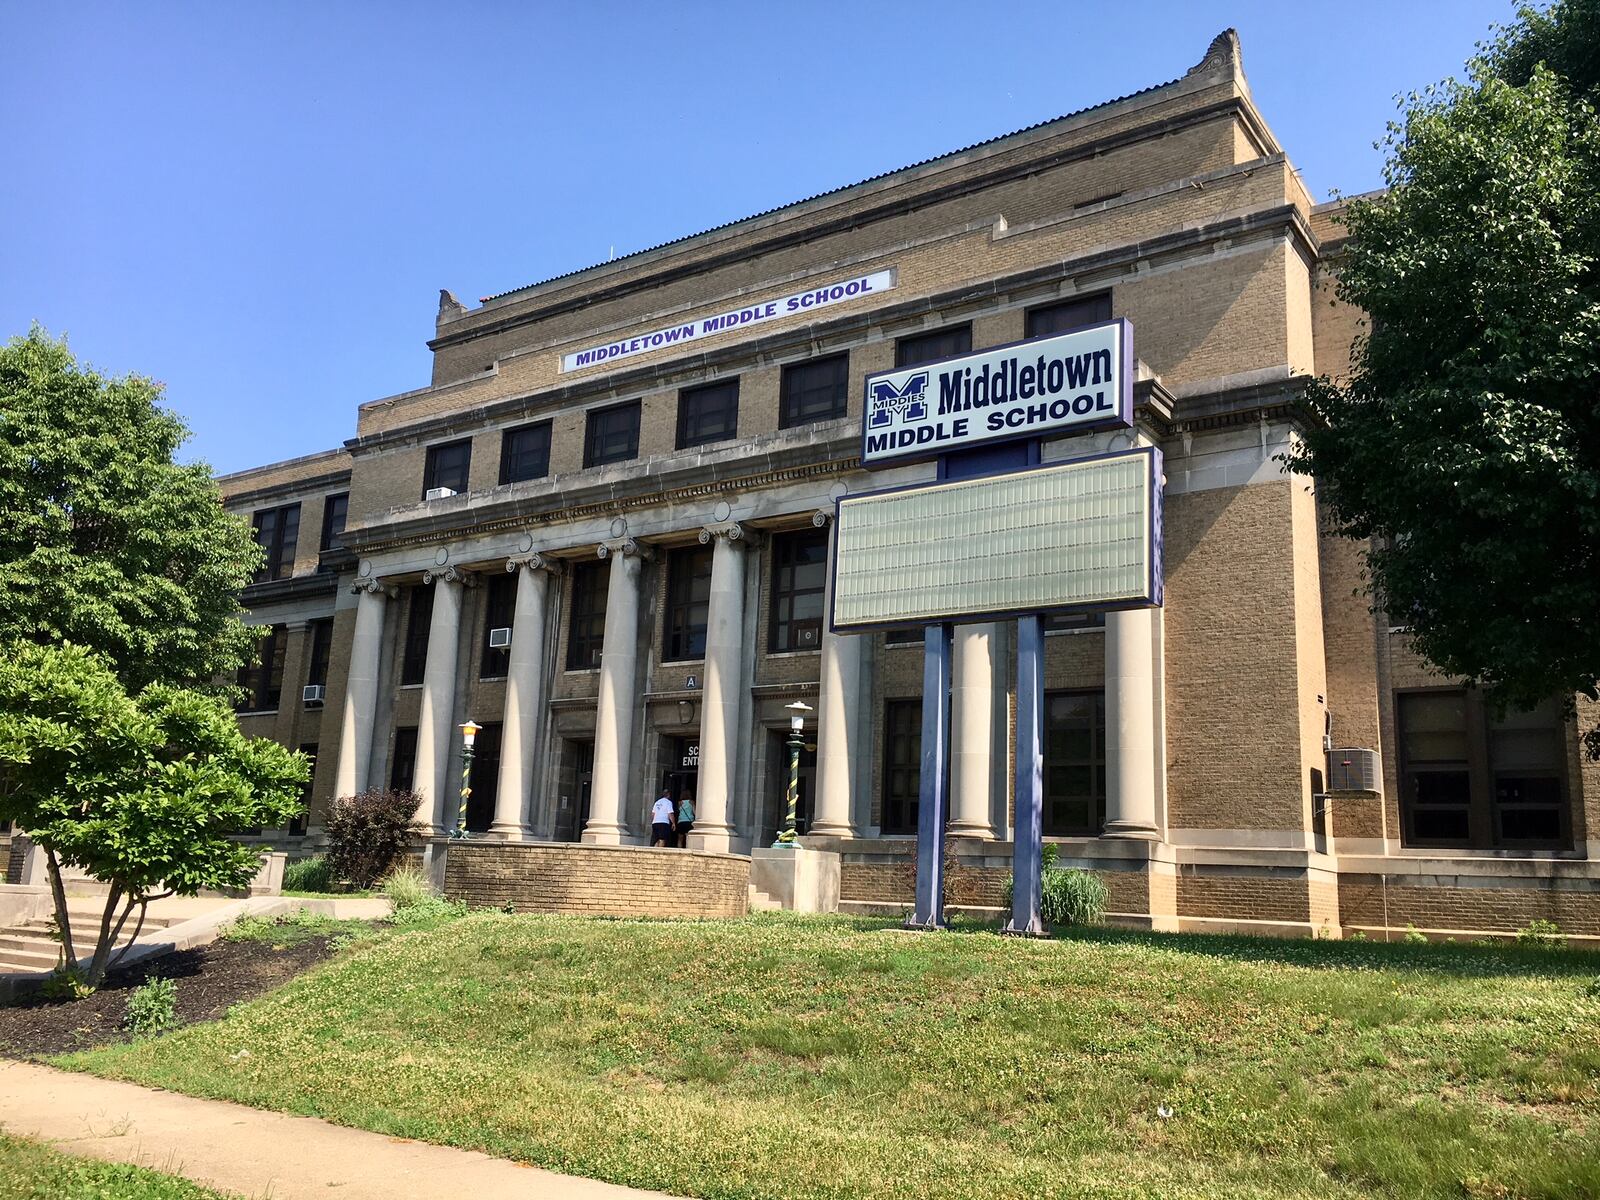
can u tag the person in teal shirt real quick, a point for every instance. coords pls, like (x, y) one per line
(685, 818)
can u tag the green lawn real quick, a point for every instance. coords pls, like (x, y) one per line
(29, 1171)
(788, 1057)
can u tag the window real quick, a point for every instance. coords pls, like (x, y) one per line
(335, 509)
(814, 391)
(262, 680)
(930, 347)
(1074, 764)
(499, 610)
(1469, 778)
(447, 467)
(1068, 314)
(277, 531)
(799, 579)
(586, 634)
(708, 414)
(611, 434)
(905, 637)
(688, 602)
(403, 763)
(525, 453)
(902, 765)
(419, 615)
(1055, 621)
(321, 646)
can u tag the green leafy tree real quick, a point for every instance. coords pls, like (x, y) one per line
(1465, 443)
(105, 541)
(146, 793)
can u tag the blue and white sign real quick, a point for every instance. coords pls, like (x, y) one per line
(794, 305)
(1074, 382)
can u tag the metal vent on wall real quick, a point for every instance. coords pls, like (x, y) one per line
(1352, 770)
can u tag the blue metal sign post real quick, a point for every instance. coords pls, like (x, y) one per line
(933, 785)
(1027, 838)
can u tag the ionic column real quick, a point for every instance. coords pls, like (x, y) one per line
(1131, 724)
(436, 723)
(613, 721)
(838, 694)
(719, 711)
(972, 731)
(525, 700)
(361, 689)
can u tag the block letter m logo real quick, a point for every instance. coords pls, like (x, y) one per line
(910, 400)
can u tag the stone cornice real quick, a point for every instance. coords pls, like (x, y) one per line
(296, 587)
(311, 485)
(802, 231)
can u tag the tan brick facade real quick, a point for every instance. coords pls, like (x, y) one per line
(1175, 204)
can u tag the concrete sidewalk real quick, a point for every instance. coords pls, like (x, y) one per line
(260, 1154)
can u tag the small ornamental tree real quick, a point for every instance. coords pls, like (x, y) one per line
(146, 793)
(105, 540)
(369, 834)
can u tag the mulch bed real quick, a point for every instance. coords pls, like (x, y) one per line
(210, 979)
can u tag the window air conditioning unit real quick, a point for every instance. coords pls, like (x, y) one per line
(808, 637)
(312, 693)
(438, 493)
(499, 639)
(1353, 771)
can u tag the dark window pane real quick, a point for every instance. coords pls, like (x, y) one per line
(1075, 764)
(611, 434)
(688, 602)
(403, 766)
(262, 678)
(903, 637)
(586, 634)
(799, 579)
(419, 616)
(1068, 314)
(902, 765)
(499, 608)
(1436, 779)
(814, 391)
(525, 453)
(321, 645)
(708, 414)
(930, 347)
(1075, 621)
(277, 532)
(335, 509)
(447, 467)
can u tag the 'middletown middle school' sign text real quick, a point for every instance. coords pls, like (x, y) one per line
(736, 318)
(1070, 383)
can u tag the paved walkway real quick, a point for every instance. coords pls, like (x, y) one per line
(260, 1154)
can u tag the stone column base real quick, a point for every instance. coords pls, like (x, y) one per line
(799, 879)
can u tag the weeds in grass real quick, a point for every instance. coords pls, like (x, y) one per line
(408, 886)
(152, 1007)
(308, 875)
(1539, 932)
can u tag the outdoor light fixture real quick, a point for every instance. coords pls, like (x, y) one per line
(787, 836)
(469, 734)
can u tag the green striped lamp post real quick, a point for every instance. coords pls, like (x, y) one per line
(469, 734)
(788, 838)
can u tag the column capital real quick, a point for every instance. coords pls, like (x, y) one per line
(626, 547)
(821, 517)
(373, 585)
(533, 562)
(728, 531)
(449, 573)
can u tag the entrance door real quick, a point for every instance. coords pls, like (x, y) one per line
(681, 768)
(572, 794)
(485, 781)
(778, 793)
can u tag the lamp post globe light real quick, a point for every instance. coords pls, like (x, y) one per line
(788, 838)
(469, 734)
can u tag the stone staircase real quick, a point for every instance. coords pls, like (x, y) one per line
(32, 945)
(761, 902)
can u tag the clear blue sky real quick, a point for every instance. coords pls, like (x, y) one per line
(257, 204)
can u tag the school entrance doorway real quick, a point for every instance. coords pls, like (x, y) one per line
(572, 788)
(680, 767)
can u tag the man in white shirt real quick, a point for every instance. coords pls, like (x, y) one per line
(663, 821)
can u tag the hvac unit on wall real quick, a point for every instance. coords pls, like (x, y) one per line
(1352, 770)
(312, 693)
(499, 639)
(438, 493)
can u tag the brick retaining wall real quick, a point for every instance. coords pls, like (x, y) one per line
(617, 881)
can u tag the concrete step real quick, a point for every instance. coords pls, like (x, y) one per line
(24, 960)
(761, 902)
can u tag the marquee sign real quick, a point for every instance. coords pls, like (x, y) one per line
(1073, 382)
(1079, 536)
(737, 318)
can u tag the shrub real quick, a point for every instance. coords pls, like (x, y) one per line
(1066, 897)
(1539, 932)
(369, 834)
(1415, 935)
(408, 886)
(308, 875)
(152, 1007)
